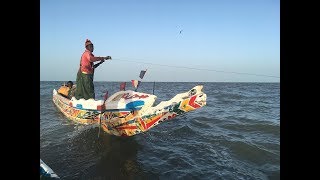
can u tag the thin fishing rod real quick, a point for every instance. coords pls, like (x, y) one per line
(199, 68)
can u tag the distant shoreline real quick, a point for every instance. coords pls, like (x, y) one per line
(174, 81)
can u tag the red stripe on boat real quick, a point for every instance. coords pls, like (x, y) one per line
(152, 122)
(192, 103)
(142, 122)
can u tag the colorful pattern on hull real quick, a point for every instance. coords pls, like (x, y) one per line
(129, 122)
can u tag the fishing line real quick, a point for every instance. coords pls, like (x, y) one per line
(198, 68)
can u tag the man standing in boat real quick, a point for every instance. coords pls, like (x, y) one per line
(84, 82)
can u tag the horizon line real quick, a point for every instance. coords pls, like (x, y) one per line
(179, 81)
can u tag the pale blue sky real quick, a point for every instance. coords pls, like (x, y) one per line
(241, 36)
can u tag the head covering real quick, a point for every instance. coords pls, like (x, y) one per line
(87, 42)
(70, 83)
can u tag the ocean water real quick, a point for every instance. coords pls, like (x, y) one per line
(235, 136)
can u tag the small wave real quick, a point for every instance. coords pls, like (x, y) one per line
(183, 131)
(257, 127)
(250, 152)
(200, 124)
(44, 143)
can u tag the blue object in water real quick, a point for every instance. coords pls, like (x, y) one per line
(46, 171)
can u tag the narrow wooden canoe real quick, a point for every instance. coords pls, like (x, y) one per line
(127, 113)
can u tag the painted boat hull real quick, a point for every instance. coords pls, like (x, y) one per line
(127, 113)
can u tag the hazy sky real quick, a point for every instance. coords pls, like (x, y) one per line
(220, 39)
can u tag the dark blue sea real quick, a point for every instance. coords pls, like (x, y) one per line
(235, 136)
